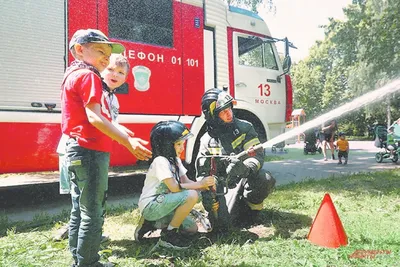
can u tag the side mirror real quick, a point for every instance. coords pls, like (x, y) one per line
(287, 63)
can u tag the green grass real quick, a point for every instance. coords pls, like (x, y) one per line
(368, 205)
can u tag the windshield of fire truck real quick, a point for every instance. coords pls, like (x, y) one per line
(256, 53)
(142, 21)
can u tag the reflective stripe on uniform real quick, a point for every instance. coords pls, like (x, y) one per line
(238, 141)
(252, 142)
(253, 160)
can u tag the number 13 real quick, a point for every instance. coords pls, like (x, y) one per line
(264, 89)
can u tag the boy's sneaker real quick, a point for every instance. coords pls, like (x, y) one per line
(340, 163)
(345, 163)
(143, 228)
(173, 239)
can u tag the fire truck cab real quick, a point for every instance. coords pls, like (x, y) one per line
(177, 49)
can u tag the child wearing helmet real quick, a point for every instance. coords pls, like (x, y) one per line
(168, 194)
(343, 146)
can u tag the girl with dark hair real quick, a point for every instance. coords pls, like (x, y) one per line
(168, 194)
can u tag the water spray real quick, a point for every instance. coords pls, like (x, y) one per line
(357, 103)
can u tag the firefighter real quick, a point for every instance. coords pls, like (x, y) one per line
(227, 135)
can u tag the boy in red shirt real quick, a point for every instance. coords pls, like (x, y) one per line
(86, 119)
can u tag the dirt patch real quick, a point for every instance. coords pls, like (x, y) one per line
(262, 231)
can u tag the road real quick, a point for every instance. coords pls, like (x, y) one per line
(296, 167)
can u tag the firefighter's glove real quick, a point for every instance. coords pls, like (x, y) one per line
(235, 171)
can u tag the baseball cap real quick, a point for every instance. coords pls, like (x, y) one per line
(94, 36)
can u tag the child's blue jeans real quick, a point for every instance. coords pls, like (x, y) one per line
(88, 170)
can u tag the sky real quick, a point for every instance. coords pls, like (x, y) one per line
(299, 20)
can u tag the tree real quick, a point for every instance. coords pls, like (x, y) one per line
(357, 55)
(253, 4)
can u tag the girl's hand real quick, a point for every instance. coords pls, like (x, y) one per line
(207, 182)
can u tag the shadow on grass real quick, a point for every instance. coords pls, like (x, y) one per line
(148, 248)
(41, 222)
(24, 227)
(274, 224)
(44, 221)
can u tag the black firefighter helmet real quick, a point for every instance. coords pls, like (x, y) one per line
(214, 101)
(163, 136)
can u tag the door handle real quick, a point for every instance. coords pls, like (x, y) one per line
(240, 84)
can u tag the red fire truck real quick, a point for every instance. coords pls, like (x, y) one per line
(177, 49)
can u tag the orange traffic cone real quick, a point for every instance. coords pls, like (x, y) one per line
(327, 229)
